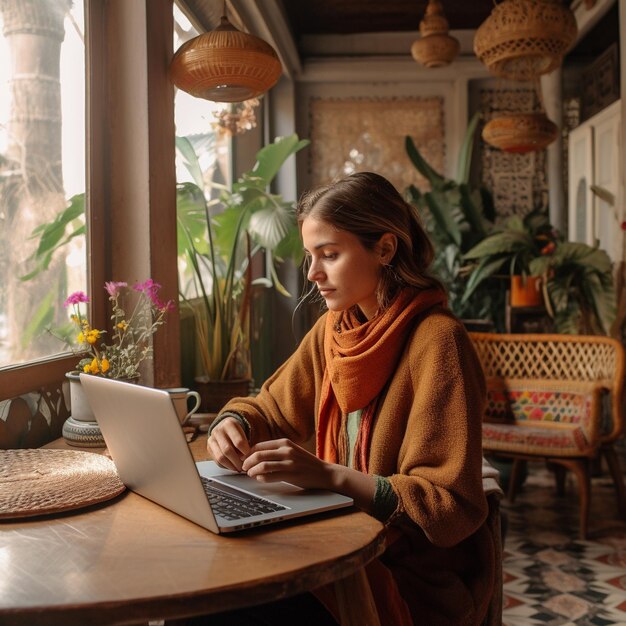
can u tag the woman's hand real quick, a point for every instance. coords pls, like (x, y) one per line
(281, 459)
(228, 444)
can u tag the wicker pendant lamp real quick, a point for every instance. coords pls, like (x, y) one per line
(520, 132)
(435, 48)
(523, 39)
(225, 65)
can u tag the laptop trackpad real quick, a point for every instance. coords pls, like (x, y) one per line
(210, 469)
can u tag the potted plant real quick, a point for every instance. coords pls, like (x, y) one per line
(576, 279)
(579, 288)
(221, 239)
(133, 325)
(457, 216)
(512, 251)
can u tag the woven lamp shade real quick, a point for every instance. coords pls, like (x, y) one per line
(225, 65)
(523, 39)
(435, 48)
(520, 132)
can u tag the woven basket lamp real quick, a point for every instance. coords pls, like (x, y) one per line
(225, 65)
(520, 132)
(435, 48)
(523, 39)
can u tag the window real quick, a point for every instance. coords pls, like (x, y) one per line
(42, 174)
(200, 125)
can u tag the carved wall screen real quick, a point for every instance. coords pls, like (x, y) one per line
(518, 181)
(361, 134)
(33, 419)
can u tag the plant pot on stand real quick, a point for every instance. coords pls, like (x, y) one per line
(216, 393)
(81, 428)
(526, 291)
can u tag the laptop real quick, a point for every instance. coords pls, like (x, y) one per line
(146, 442)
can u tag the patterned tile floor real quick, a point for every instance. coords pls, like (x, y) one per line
(550, 576)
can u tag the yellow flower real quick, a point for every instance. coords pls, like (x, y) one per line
(80, 338)
(86, 368)
(93, 336)
(93, 366)
(104, 365)
(123, 325)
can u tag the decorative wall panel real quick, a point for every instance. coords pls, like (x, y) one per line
(518, 181)
(362, 134)
(31, 420)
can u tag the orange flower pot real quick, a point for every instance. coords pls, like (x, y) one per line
(526, 292)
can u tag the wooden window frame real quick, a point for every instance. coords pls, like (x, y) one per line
(131, 179)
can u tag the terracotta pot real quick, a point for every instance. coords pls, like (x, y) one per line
(215, 394)
(526, 292)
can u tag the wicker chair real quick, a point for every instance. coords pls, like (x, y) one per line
(556, 398)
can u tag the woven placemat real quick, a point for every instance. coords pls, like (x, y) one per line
(43, 481)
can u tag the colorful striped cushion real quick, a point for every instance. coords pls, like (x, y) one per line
(534, 417)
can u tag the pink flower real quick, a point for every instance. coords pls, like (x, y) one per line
(150, 288)
(147, 286)
(75, 298)
(113, 288)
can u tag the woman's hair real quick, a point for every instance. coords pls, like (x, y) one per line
(368, 206)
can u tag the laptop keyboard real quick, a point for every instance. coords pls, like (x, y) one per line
(232, 504)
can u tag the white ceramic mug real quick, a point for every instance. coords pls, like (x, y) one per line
(180, 399)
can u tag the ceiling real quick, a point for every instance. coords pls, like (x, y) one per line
(305, 29)
(313, 17)
(310, 19)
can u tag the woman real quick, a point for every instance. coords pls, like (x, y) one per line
(389, 384)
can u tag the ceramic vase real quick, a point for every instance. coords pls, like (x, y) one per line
(81, 428)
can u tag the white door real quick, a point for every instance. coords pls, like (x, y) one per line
(580, 168)
(607, 135)
(594, 162)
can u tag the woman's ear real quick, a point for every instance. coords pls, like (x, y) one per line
(387, 246)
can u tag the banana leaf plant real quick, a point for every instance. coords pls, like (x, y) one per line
(220, 237)
(578, 289)
(457, 215)
(510, 249)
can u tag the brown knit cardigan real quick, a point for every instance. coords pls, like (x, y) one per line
(426, 439)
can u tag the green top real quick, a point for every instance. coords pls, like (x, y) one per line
(385, 499)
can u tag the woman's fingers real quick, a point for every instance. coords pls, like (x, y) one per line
(228, 445)
(272, 461)
(275, 451)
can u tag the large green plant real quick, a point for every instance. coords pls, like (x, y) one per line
(578, 288)
(457, 215)
(511, 249)
(580, 292)
(220, 238)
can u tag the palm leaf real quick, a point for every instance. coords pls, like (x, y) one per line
(485, 269)
(421, 165)
(271, 158)
(465, 154)
(442, 216)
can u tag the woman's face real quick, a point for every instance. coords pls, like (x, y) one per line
(345, 272)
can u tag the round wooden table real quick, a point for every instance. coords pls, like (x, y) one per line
(130, 561)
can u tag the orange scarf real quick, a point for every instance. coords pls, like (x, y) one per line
(360, 359)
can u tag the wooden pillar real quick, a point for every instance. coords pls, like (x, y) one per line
(140, 176)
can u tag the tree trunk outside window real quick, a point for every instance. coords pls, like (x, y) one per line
(31, 179)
